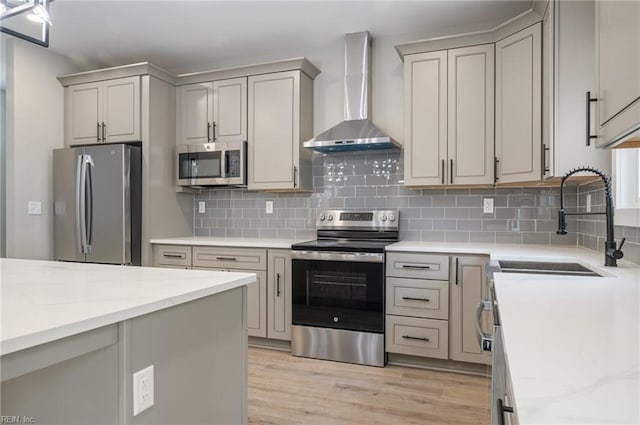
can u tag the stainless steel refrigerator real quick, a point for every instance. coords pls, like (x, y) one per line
(97, 204)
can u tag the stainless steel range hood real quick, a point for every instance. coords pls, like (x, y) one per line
(356, 132)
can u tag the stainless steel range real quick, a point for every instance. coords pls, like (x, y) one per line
(338, 287)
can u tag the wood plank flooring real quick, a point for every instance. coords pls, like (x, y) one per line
(292, 390)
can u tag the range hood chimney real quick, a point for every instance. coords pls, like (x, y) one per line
(356, 132)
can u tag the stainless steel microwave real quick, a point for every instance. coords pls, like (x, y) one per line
(213, 164)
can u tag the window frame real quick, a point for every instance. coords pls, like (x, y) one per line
(629, 216)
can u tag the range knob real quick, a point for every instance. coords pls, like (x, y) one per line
(392, 217)
(322, 217)
(384, 218)
(330, 218)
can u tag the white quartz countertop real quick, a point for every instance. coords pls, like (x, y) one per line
(45, 300)
(572, 344)
(231, 242)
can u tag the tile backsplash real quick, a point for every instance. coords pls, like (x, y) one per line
(592, 229)
(374, 180)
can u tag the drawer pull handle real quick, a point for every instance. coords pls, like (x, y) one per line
(170, 255)
(409, 266)
(416, 299)
(226, 258)
(416, 338)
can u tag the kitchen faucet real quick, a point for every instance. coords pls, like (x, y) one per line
(611, 253)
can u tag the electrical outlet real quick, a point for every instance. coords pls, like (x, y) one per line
(35, 207)
(142, 390)
(588, 202)
(487, 205)
(268, 207)
(202, 207)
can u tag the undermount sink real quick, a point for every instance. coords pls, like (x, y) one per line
(546, 267)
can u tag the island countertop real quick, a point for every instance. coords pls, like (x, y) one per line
(43, 301)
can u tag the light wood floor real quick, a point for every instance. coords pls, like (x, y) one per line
(291, 390)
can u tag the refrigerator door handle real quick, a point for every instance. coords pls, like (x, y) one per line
(82, 204)
(89, 205)
(79, 202)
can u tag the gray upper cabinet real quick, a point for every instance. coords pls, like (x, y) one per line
(105, 111)
(449, 106)
(212, 112)
(470, 118)
(518, 106)
(568, 48)
(617, 68)
(280, 120)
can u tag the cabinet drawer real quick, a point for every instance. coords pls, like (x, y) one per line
(172, 255)
(418, 298)
(417, 337)
(416, 265)
(230, 258)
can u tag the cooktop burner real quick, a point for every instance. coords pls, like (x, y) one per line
(353, 231)
(342, 245)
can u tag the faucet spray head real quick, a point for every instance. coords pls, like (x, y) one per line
(562, 223)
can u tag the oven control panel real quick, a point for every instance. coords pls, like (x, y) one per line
(372, 219)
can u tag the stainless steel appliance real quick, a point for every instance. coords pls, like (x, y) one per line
(97, 204)
(213, 164)
(502, 411)
(338, 287)
(356, 132)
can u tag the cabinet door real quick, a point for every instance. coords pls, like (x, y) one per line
(279, 294)
(467, 289)
(195, 113)
(83, 113)
(470, 134)
(121, 110)
(274, 132)
(257, 304)
(425, 146)
(230, 110)
(256, 300)
(518, 106)
(618, 68)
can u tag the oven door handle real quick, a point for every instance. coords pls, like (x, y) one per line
(358, 257)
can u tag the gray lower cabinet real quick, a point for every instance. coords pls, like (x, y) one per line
(417, 304)
(279, 294)
(468, 288)
(268, 299)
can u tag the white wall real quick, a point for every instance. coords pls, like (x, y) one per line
(35, 120)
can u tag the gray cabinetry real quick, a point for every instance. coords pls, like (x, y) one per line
(568, 48)
(104, 111)
(268, 299)
(617, 68)
(449, 106)
(280, 120)
(417, 298)
(250, 260)
(279, 294)
(212, 111)
(518, 106)
(467, 289)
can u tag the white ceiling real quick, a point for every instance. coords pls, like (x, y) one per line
(187, 36)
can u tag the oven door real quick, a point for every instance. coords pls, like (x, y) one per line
(338, 290)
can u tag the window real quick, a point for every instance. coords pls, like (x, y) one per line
(626, 169)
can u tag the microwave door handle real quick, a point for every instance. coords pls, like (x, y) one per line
(224, 163)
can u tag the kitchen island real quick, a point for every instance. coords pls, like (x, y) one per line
(73, 335)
